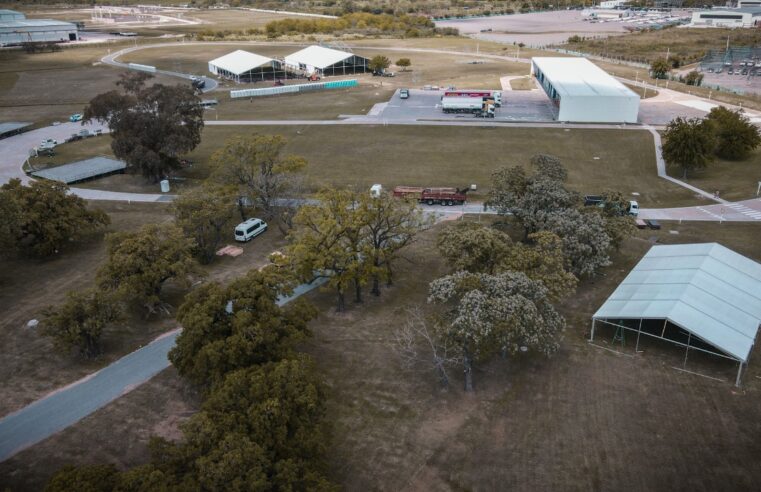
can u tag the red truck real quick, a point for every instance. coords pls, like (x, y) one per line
(433, 196)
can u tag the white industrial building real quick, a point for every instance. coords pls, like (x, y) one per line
(325, 61)
(748, 3)
(702, 297)
(741, 17)
(583, 92)
(243, 66)
(16, 29)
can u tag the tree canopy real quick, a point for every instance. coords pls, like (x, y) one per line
(736, 136)
(689, 144)
(660, 68)
(403, 63)
(204, 215)
(151, 126)
(488, 314)
(270, 181)
(233, 327)
(379, 63)
(140, 262)
(43, 217)
(79, 322)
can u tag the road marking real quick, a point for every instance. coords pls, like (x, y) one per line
(719, 217)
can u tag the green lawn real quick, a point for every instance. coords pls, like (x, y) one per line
(735, 180)
(360, 156)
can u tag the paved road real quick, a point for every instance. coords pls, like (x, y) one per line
(111, 59)
(70, 404)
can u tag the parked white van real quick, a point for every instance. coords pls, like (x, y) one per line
(245, 231)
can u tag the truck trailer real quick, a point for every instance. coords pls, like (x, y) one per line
(484, 95)
(461, 104)
(433, 196)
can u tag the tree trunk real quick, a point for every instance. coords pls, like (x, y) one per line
(443, 377)
(467, 369)
(341, 300)
(241, 210)
(357, 290)
(685, 173)
(376, 278)
(390, 273)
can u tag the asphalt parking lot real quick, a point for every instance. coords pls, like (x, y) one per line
(426, 105)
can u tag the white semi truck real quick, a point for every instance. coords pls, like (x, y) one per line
(495, 96)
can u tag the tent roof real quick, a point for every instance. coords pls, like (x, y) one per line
(706, 289)
(579, 77)
(240, 61)
(317, 56)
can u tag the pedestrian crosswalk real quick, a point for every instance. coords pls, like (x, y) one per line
(745, 210)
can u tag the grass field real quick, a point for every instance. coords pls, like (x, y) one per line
(395, 155)
(585, 419)
(522, 84)
(735, 180)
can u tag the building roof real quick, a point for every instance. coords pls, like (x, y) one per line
(240, 61)
(754, 11)
(10, 12)
(705, 289)
(317, 56)
(11, 126)
(21, 24)
(571, 76)
(81, 170)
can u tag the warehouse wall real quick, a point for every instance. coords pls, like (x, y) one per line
(599, 109)
(9, 37)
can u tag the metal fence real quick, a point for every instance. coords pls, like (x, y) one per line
(291, 89)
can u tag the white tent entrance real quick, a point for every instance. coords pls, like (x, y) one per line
(242, 66)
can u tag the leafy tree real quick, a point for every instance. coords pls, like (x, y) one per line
(387, 226)
(509, 185)
(736, 136)
(87, 478)
(139, 263)
(271, 182)
(204, 215)
(403, 63)
(218, 337)
(549, 166)
(542, 260)
(320, 243)
(693, 78)
(488, 314)
(660, 68)
(479, 249)
(151, 127)
(275, 415)
(80, 320)
(379, 63)
(10, 225)
(689, 144)
(584, 237)
(474, 248)
(618, 223)
(48, 216)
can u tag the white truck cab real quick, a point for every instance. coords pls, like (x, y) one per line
(246, 231)
(633, 208)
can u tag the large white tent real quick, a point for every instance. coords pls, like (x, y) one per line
(584, 92)
(706, 290)
(243, 66)
(325, 61)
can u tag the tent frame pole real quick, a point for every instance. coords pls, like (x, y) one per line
(639, 332)
(592, 335)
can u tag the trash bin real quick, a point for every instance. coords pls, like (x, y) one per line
(164, 186)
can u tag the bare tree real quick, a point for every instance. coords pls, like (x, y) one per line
(415, 342)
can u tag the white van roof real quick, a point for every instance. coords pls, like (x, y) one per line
(247, 223)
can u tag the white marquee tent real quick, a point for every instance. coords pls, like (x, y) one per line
(243, 66)
(325, 61)
(706, 290)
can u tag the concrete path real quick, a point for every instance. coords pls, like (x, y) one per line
(70, 404)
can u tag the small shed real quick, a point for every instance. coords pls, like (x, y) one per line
(325, 61)
(702, 297)
(243, 66)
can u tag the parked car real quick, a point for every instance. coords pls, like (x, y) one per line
(404, 94)
(730, 72)
(633, 208)
(710, 70)
(719, 70)
(75, 117)
(48, 143)
(744, 71)
(246, 231)
(389, 74)
(653, 224)
(641, 224)
(590, 200)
